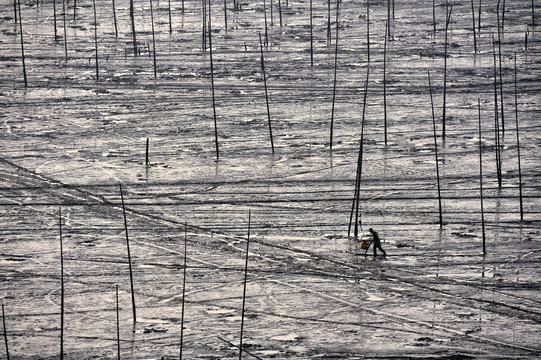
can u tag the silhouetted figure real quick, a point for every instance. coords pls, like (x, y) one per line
(376, 242)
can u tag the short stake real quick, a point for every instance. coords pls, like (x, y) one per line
(244, 290)
(129, 255)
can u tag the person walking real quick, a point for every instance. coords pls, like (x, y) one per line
(376, 242)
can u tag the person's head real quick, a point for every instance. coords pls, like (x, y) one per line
(371, 230)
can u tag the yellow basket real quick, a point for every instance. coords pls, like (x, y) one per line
(365, 245)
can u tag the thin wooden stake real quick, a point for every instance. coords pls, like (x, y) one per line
(133, 29)
(129, 256)
(225, 14)
(474, 36)
(500, 65)
(481, 178)
(496, 120)
(447, 21)
(74, 9)
(147, 162)
(22, 43)
(212, 85)
(329, 22)
(479, 19)
(183, 290)
(5, 331)
(280, 11)
(533, 15)
(114, 19)
(15, 10)
(153, 39)
(367, 30)
(335, 71)
(388, 24)
(518, 144)
(54, 17)
(266, 27)
(65, 29)
(311, 37)
(244, 290)
(170, 22)
(434, 16)
(266, 92)
(436, 152)
(385, 84)
(117, 326)
(96, 40)
(61, 287)
(360, 157)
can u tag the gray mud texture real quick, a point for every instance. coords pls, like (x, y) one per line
(68, 139)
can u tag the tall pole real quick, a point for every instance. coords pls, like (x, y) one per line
(335, 66)
(61, 287)
(22, 43)
(244, 290)
(183, 290)
(129, 255)
(117, 326)
(266, 92)
(447, 21)
(153, 39)
(96, 40)
(311, 37)
(212, 84)
(518, 144)
(436, 152)
(481, 178)
(385, 83)
(133, 29)
(5, 331)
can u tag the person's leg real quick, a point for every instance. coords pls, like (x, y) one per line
(374, 246)
(381, 249)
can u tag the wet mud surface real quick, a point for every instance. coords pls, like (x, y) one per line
(68, 140)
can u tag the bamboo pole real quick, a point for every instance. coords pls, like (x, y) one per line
(74, 9)
(385, 83)
(447, 21)
(266, 92)
(479, 19)
(183, 290)
(474, 35)
(54, 19)
(15, 10)
(311, 37)
(65, 29)
(496, 120)
(117, 326)
(367, 30)
(500, 65)
(388, 24)
(481, 178)
(434, 16)
(61, 287)
(96, 40)
(266, 26)
(212, 83)
(133, 29)
(129, 256)
(533, 15)
(5, 331)
(147, 162)
(244, 289)
(280, 11)
(153, 39)
(335, 72)
(518, 145)
(361, 153)
(503, 16)
(436, 152)
(114, 19)
(271, 14)
(204, 22)
(329, 22)
(169, 12)
(22, 43)
(225, 14)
